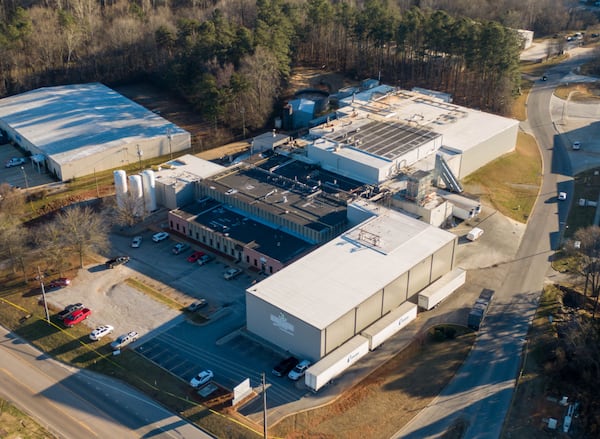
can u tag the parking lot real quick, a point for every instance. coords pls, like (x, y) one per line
(23, 176)
(167, 337)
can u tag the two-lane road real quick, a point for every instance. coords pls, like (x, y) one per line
(77, 404)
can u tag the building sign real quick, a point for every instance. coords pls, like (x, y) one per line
(281, 322)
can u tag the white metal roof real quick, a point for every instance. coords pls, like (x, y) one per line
(74, 121)
(324, 285)
(462, 128)
(187, 168)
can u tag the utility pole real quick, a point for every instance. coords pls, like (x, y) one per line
(41, 278)
(27, 188)
(243, 111)
(97, 188)
(169, 137)
(139, 153)
(264, 389)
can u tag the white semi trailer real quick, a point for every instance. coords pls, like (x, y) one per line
(390, 324)
(442, 288)
(322, 372)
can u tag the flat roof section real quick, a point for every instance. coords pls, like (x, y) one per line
(262, 238)
(387, 139)
(187, 168)
(302, 203)
(340, 275)
(73, 121)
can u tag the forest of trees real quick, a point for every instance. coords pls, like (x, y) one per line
(228, 58)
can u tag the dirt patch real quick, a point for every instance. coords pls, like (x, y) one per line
(308, 77)
(204, 134)
(391, 395)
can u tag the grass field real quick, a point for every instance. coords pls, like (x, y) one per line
(511, 182)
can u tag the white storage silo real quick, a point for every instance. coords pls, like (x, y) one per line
(136, 192)
(120, 178)
(149, 185)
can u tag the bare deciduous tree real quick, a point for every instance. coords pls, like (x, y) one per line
(84, 230)
(129, 210)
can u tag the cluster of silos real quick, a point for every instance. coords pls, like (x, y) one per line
(137, 187)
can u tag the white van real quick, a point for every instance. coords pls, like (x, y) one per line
(474, 234)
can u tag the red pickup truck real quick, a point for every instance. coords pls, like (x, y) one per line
(76, 317)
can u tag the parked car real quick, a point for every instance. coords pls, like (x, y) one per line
(124, 340)
(76, 317)
(58, 283)
(205, 259)
(180, 247)
(100, 332)
(160, 236)
(576, 146)
(299, 370)
(202, 378)
(231, 273)
(201, 303)
(15, 161)
(285, 366)
(136, 241)
(195, 256)
(562, 196)
(69, 309)
(112, 263)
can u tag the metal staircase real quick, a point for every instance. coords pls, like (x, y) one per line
(445, 173)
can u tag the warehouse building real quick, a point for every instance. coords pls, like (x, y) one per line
(319, 302)
(76, 130)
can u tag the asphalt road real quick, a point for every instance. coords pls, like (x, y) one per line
(479, 396)
(76, 404)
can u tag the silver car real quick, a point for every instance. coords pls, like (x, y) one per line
(124, 340)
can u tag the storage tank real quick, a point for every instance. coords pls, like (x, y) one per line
(149, 185)
(136, 191)
(120, 178)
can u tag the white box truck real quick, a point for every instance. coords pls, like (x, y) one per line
(322, 372)
(474, 234)
(389, 324)
(441, 288)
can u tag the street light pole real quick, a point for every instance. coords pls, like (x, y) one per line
(264, 390)
(25, 175)
(139, 153)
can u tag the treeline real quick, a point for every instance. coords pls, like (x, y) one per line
(229, 59)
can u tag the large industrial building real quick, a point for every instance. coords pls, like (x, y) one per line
(76, 130)
(379, 134)
(321, 301)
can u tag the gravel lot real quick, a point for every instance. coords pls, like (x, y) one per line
(113, 302)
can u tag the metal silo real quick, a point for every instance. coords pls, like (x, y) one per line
(149, 184)
(136, 191)
(120, 178)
